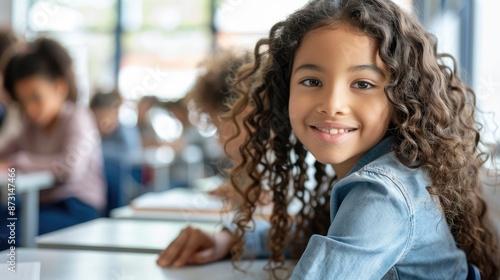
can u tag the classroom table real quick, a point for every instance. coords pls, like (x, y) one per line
(180, 204)
(84, 265)
(28, 186)
(129, 212)
(118, 235)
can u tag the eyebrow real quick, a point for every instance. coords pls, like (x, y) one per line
(357, 68)
(369, 67)
(309, 66)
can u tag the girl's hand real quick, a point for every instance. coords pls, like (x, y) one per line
(194, 246)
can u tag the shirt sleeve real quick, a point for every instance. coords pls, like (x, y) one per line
(370, 232)
(80, 141)
(11, 148)
(255, 239)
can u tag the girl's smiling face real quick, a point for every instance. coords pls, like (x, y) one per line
(338, 107)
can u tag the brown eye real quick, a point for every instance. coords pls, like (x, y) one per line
(362, 85)
(311, 83)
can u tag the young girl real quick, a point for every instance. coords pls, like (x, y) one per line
(58, 136)
(359, 84)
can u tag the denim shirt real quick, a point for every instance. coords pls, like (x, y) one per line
(384, 225)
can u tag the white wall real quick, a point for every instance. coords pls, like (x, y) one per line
(487, 85)
(5, 13)
(487, 64)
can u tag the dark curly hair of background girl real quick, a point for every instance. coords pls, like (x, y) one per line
(433, 125)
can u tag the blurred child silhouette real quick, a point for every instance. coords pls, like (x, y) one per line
(212, 96)
(120, 143)
(58, 136)
(118, 140)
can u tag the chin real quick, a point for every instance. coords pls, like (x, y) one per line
(325, 159)
(333, 159)
(37, 122)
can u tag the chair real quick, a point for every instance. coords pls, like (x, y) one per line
(473, 273)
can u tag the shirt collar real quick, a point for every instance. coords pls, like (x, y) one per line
(382, 148)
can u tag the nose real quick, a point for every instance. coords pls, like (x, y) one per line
(334, 100)
(31, 111)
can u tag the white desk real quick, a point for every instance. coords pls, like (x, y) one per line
(114, 235)
(187, 205)
(128, 212)
(28, 186)
(85, 265)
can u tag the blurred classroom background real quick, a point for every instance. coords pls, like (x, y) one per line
(151, 49)
(149, 52)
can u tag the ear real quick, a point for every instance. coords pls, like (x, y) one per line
(62, 88)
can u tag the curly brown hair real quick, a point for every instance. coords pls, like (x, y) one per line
(433, 123)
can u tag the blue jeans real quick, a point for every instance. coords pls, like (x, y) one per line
(66, 213)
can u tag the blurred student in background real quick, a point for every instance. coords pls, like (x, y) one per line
(211, 95)
(10, 118)
(117, 140)
(120, 143)
(58, 136)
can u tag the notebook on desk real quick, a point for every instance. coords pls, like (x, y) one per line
(185, 200)
(21, 271)
(194, 202)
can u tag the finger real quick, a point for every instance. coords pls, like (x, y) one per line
(170, 254)
(203, 257)
(195, 243)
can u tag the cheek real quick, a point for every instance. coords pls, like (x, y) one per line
(377, 116)
(296, 110)
(50, 106)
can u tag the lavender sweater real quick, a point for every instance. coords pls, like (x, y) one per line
(71, 151)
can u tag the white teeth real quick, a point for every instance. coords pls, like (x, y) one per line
(333, 130)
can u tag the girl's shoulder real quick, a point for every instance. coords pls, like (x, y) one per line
(76, 112)
(389, 173)
(389, 165)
